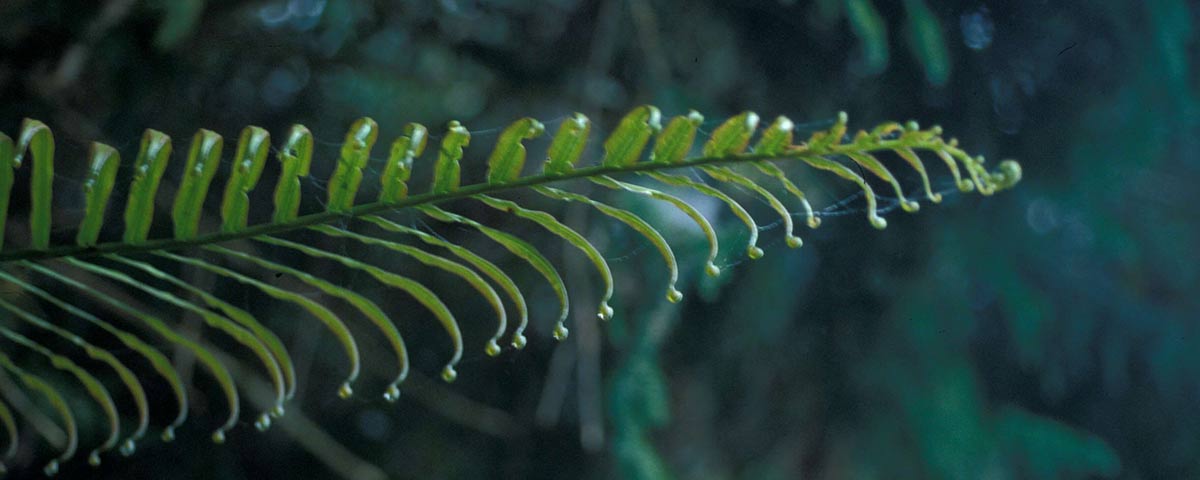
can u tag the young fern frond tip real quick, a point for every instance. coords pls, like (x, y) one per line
(639, 158)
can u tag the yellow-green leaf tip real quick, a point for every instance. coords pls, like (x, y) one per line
(263, 422)
(127, 448)
(605, 313)
(1007, 175)
(391, 394)
(492, 349)
(449, 374)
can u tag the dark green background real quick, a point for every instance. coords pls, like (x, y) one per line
(1046, 332)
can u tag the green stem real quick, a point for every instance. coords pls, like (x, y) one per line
(123, 248)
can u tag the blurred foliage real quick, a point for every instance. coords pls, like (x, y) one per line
(1046, 333)
(922, 28)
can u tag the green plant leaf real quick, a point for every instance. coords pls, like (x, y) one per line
(203, 159)
(677, 139)
(521, 249)
(706, 228)
(752, 249)
(90, 383)
(447, 171)
(871, 30)
(57, 401)
(126, 375)
(268, 346)
(418, 291)
(635, 222)
(97, 187)
(496, 274)
(204, 355)
(10, 427)
(331, 321)
(356, 150)
(509, 155)
(927, 42)
(112, 274)
(625, 145)
(252, 148)
(295, 158)
(7, 165)
(156, 359)
(148, 170)
(567, 147)
(37, 141)
(399, 166)
(441, 263)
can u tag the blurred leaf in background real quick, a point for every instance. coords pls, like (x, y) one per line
(1049, 332)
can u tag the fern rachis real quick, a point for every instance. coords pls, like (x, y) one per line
(629, 155)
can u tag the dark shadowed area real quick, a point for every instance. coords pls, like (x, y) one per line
(1048, 331)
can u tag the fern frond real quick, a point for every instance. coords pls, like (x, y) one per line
(147, 264)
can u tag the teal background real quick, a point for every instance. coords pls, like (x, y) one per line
(1050, 331)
